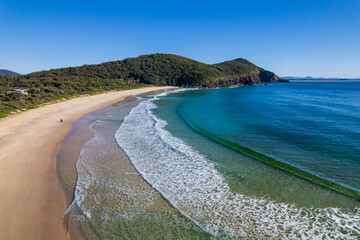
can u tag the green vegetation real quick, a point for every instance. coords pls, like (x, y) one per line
(53, 89)
(243, 71)
(155, 69)
(278, 164)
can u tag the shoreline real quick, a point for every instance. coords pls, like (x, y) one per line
(66, 158)
(32, 201)
(84, 133)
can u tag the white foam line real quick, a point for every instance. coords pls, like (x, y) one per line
(191, 183)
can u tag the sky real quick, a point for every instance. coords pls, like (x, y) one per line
(319, 38)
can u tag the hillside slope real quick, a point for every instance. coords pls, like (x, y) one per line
(5, 73)
(241, 71)
(155, 69)
(167, 69)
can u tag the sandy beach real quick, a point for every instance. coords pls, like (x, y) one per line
(32, 204)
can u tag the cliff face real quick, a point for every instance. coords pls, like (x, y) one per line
(266, 76)
(241, 71)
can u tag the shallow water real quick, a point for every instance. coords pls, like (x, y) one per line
(111, 200)
(191, 186)
(198, 184)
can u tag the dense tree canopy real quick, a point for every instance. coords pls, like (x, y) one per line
(155, 69)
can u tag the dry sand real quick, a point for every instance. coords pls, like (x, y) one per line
(32, 204)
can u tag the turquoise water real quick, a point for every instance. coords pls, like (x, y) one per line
(312, 127)
(276, 161)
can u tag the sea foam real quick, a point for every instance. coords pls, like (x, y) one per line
(191, 183)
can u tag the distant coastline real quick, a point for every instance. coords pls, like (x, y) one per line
(5, 72)
(20, 93)
(309, 78)
(323, 80)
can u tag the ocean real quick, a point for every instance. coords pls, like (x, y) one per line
(277, 161)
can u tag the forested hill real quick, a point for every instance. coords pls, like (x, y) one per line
(166, 69)
(155, 69)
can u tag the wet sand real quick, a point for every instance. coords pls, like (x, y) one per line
(115, 164)
(32, 203)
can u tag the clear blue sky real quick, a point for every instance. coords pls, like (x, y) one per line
(289, 37)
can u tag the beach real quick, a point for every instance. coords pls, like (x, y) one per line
(128, 167)
(32, 203)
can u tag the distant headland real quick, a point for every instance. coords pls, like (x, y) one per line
(309, 78)
(154, 69)
(4, 72)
